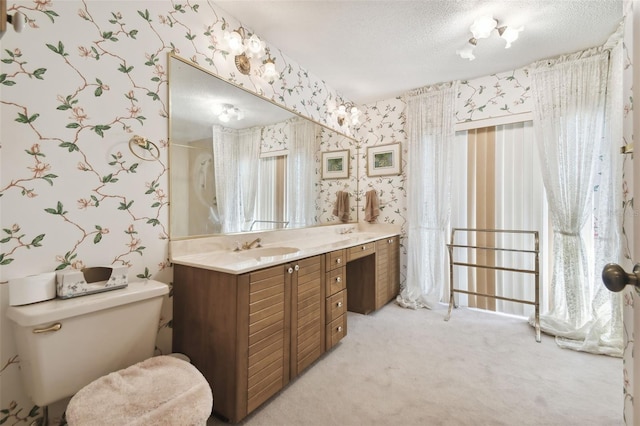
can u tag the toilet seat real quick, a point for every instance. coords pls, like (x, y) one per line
(162, 390)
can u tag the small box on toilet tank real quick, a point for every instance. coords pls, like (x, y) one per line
(76, 283)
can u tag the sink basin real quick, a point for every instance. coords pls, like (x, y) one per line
(262, 252)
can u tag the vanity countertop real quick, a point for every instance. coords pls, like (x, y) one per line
(217, 253)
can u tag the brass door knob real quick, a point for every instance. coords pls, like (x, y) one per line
(616, 279)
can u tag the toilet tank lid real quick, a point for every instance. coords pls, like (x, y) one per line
(59, 309)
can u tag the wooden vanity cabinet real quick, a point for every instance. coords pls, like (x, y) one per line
(336, 298)
(387, 270)
(249, 334)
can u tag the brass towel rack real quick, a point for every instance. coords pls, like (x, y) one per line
(535, 251)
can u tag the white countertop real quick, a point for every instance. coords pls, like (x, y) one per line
(217, 253)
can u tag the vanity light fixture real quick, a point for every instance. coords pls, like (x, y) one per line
(347, 113)
(482, 28)
(244, 48)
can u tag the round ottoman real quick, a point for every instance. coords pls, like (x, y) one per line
(161, 390)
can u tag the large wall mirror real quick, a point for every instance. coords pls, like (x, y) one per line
(240, 163)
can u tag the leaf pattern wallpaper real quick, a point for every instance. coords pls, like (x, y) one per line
(84, 77)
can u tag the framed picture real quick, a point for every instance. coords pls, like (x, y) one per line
(384, 160)
(335, 164)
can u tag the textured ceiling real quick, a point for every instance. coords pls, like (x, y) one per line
(372, 50)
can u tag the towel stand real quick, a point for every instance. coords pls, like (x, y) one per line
(535, 251)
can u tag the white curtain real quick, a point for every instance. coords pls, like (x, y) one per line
(569, 97)
(225, 157)
(301, 162)
(603, 333)
(430, 132)
(248, 172)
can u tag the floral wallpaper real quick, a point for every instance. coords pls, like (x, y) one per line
(76, 85)
(85, 76)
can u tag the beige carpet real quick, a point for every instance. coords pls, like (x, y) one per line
(405, 367)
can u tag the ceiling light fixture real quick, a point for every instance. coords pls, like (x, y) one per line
(227, 112)
(482, 28)
(244, 48)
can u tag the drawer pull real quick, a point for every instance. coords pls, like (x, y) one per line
(390, 241)
(338, 260)
(339, 304)
(54, 327)
(297, 267)
(339, 328)
(338, 279)
(290, 270)
(364, 247)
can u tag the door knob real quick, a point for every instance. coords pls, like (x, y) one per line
(615, 278)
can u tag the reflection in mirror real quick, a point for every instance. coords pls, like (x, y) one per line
(239, 162)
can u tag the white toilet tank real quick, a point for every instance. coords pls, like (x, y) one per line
(66, 344)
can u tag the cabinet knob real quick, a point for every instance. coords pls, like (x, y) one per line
(297, 267)
(339, 328)
(338, 279)
(338, 260)
(339, 304)
(390, 241)
(364, 247)
(290, 270)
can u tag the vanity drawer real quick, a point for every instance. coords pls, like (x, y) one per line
(336, 305)
(335, 281)
(361, 250)
(335, 259)
(336, 330)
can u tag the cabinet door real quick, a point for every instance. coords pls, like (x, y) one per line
(268, 338)
(382, 273)
(308, 312)
(394, 267)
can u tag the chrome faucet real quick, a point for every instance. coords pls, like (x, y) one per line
(247, 246)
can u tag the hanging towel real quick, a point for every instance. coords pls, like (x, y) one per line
(341, 207)
(371, 206)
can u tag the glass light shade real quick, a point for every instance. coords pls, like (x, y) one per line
(224, 117)
(483, 26)
(466, 53)
(269, 71)
(234, 42)
(255, 47)
(510, 35)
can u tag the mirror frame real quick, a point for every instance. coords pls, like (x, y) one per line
(172, 55)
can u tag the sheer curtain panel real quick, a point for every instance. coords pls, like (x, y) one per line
(301, 162)
(225, 158)
(569, 97)
(430, 133)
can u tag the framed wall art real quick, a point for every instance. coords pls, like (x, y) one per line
(384, 160)
(335, 164)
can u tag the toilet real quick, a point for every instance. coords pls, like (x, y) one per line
(90, 341)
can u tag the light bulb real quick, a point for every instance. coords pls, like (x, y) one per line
(466, 53)
(269, 71)
(224, 117)
(482, 27)
(234, 41)
(255, 47)
(510, 35)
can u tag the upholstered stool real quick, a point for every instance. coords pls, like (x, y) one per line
(161, 390)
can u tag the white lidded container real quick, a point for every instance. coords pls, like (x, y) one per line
(66, 344)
